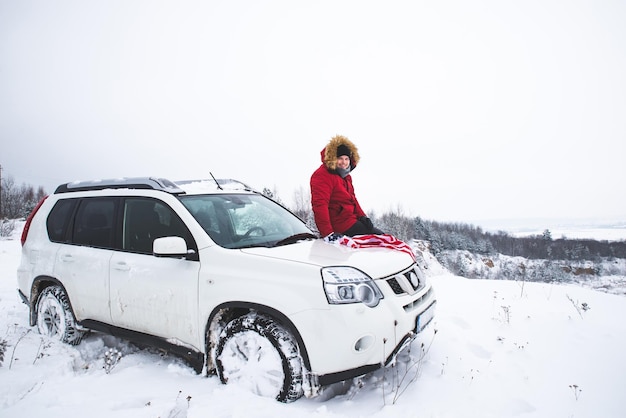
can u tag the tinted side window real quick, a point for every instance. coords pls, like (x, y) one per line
(59, 219)
(94, 223)
(145, 220)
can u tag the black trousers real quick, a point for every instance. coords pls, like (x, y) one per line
(359, 228)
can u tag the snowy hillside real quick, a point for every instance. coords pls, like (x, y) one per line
(606, 275)
(496, 348)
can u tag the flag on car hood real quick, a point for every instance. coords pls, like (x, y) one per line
(379, 240)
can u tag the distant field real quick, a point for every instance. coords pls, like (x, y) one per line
(600, 234)
(577, 230)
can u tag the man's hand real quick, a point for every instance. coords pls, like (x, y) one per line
(332, 237)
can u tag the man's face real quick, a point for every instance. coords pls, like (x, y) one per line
(343, 162)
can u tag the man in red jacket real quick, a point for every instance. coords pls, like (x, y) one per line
(335, 206)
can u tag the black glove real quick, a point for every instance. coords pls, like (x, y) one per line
(367, 222)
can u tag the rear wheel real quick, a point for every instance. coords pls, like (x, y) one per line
(55, 318)
(257, 353)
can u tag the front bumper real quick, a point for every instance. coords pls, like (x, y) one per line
(331, 378)
(345, 355)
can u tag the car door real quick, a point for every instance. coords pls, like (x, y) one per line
(149, 294)
(82, 261)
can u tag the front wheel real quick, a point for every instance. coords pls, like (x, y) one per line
(260, 355)
(55, 318)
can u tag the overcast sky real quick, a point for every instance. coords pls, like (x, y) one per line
(461, 110)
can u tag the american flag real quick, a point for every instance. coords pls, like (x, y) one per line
(381, 240)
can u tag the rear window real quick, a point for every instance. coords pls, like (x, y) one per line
(59, 220)
(94, 223)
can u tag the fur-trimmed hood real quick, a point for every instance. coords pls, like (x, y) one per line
(329, 153)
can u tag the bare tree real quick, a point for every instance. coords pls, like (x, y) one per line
(397, 224)
(302, 206)
(10, 204)
(18, 202)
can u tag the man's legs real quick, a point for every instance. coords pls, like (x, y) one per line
(359, 228)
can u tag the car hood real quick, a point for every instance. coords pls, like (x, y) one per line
(377, 262)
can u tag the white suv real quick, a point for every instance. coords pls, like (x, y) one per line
(222, 276)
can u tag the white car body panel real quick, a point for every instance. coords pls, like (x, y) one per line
(164, 304)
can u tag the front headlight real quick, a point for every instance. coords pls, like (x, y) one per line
(349, 285)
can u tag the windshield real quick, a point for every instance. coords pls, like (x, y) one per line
(244, 220)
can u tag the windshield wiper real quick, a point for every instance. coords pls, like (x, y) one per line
(295, 238)
(258, 245)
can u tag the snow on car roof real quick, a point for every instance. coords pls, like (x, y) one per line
(212, 185)
(184, 186)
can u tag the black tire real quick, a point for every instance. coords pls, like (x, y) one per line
(256, 352)
(55, 318)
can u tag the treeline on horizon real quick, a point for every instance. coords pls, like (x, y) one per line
(459, 236)
(450, 236)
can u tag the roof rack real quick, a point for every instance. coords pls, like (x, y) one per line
(152, 183)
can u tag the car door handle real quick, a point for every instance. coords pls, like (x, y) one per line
(121, 266)
(67, 258)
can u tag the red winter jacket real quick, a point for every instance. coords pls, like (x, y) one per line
(334, 203)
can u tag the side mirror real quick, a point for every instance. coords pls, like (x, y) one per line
(169, 247)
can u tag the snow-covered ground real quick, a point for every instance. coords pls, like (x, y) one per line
(495, 349)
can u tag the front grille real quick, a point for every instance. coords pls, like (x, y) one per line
(395, 286)
(417, 302)
(409, 281)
